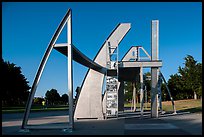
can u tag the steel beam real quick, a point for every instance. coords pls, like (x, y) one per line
(174, 108)
(144, 64)
(79, 57)
(159, 91)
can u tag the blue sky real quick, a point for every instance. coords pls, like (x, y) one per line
(27, 28)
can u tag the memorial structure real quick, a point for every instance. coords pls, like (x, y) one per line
(104, 68)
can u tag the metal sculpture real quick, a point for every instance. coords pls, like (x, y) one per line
(90, 103)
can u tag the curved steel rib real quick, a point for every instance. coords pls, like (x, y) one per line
(41, 67)
(79, 57)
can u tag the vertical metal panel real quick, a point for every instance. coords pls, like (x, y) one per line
(121, 96)
(112, 81)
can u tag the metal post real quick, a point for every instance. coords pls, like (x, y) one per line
(70, 71)
(138, 54)
(131, 108)
(134, 97)
(174, 108)
(146, 97)
(154, 70)
(117, 77)
(154, 93)
(160, 92)
(141, 91)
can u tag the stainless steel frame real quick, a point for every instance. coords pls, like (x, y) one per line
(42, 65)
(99, 65)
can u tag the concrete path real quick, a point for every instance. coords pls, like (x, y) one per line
(128, 124)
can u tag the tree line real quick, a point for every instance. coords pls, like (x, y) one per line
(185, 84)
(52, 97)
(15, 88)
(14, 85)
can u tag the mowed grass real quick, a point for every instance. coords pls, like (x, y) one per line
(33, 109)
(190, 105)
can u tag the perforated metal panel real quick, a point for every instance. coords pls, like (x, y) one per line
(112, 81)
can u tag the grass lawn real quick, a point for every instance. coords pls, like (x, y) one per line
(181, 105)
(33, 109)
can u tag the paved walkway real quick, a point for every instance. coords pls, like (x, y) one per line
(128, 124)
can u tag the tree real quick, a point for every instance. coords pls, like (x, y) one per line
(147, 83)
(165, 95)
(78, 90)
(191, 75)
(129, 88)
(64, 99)
(128, 91)
(187, 83)
(177, 87)
(38, 100)
(14, 85)
(52, 96)
(198, 81)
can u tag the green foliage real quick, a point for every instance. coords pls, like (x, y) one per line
(38, 100)
(14, 85)
(187, 81)
(147, 82)
(165, 95)
(128, 91)
(64, 99)
(78, 90)
(129, 88)
(52, 97)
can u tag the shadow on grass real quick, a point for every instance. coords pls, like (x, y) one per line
(192, 110)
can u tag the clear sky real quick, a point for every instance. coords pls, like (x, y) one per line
(27, 28)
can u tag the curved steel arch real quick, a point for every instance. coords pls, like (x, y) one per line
(41, 67)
